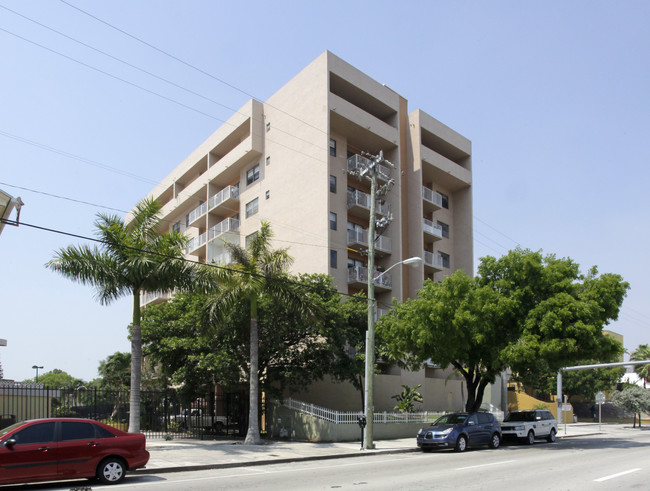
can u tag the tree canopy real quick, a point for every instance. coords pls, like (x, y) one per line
(634, 399)
(640, 354)
(532, 313)
(59, 379)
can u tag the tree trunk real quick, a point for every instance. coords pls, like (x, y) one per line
(136, 366)
(253, 433)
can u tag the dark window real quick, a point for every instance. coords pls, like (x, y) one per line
(332, 147)
(77, 431)
(445, 259)
(332, 221)
(268, 126)
(445, 200)
(268, 194)
(37, 433)
(252, 208)
(176, 227)
(445, 229)
(187, 220)
(333, 259)
(250, 237)
(484, 418)
(252, 174)
(268, 160)
(332, 184)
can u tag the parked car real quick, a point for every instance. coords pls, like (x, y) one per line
(526, 426)
(66, 448)
(196, 418)
(460, 430)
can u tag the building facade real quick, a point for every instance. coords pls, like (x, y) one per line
(288, 161)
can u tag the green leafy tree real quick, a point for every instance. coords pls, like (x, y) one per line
(407, 398)
(532, 313)
(583, 383)
(640, 354)
(256, 270)
(634, 399)
(131, 260)
(115, 371)
(59, 379)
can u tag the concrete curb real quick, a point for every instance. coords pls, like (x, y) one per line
(286, 460)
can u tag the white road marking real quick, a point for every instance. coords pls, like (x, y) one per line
(601, 479)
(485, 465)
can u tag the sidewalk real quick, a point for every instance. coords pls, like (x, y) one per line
(179, 455)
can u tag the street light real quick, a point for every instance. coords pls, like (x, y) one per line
(36, 367)
(370, 345)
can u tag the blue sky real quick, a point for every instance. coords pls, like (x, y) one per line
(553, 95)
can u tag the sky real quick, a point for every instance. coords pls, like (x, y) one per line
(553, 95)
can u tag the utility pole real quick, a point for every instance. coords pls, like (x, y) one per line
(370, 169)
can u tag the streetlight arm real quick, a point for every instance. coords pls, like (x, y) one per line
(411, 261)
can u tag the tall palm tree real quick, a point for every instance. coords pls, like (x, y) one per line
(640, 354)
(132, 259)
(256, 269)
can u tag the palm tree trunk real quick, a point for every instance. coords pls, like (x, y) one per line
(253, 433)
(136, 366)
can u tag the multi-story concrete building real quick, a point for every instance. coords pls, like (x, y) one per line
(287, 161)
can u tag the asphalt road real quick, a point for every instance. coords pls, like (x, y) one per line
(589, 463)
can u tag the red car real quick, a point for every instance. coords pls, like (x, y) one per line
(66, 448)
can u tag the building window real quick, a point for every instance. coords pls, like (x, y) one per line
(445, 229)
(268, 127)
(445, 200)
(268, 194)
(177, 227)
(333, 258)
(252, 207)
(445, 259)
(268, 160)
(332, 147)
(332, 184)
(249, 238)
(332, 221)
(187, 220)
(252, 175)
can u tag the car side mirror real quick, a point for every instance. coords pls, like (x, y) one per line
(10, 443)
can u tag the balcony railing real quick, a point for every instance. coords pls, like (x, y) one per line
(227, 225)
(198, 212)
(432, 196)
(196, 242)
(361, 199)
(431, 228)
(432, 259)
(230, 192)
(358, 162)
(359, 274)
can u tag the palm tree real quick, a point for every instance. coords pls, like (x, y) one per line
(640, 354)
(256, 270)
(131, 260)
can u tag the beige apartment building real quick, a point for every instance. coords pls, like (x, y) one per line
(287, 161)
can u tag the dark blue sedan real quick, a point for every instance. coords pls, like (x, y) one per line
(460, 430)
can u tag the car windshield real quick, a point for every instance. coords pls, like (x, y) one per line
(451, 419)
(520, 416)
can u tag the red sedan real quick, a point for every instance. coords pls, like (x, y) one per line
(66, 448)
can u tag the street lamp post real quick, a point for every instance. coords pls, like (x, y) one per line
(36, 367)
(370, 337)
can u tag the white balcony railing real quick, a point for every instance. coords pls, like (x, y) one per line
(361, 237)
(432, 228)
(230, 192)
(359, 274)
(198, 212)
(432, 196)
(432, 259)
(227, 225)
(358, 162)
(359, 198)
(196, 242)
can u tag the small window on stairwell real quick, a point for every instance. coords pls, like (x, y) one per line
(445, 259)
(445, 229)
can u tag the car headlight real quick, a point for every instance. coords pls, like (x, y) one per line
(518, 428)
(446, 432)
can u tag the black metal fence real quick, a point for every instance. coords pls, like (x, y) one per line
(163, 414)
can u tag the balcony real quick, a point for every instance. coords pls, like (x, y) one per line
(223, 227)
(432, 229)
(359, 205)
(358, 277)
(358, 162)
(197, 213)
(147, 298)
(227, 199)
(359, 238)
(195, 245)
(432, 261)
(432, 199)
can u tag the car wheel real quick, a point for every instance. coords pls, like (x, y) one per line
(551, 436)
(426, 449)
(495, 441)
(461, 444)
(111, 470)
(530, 438)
